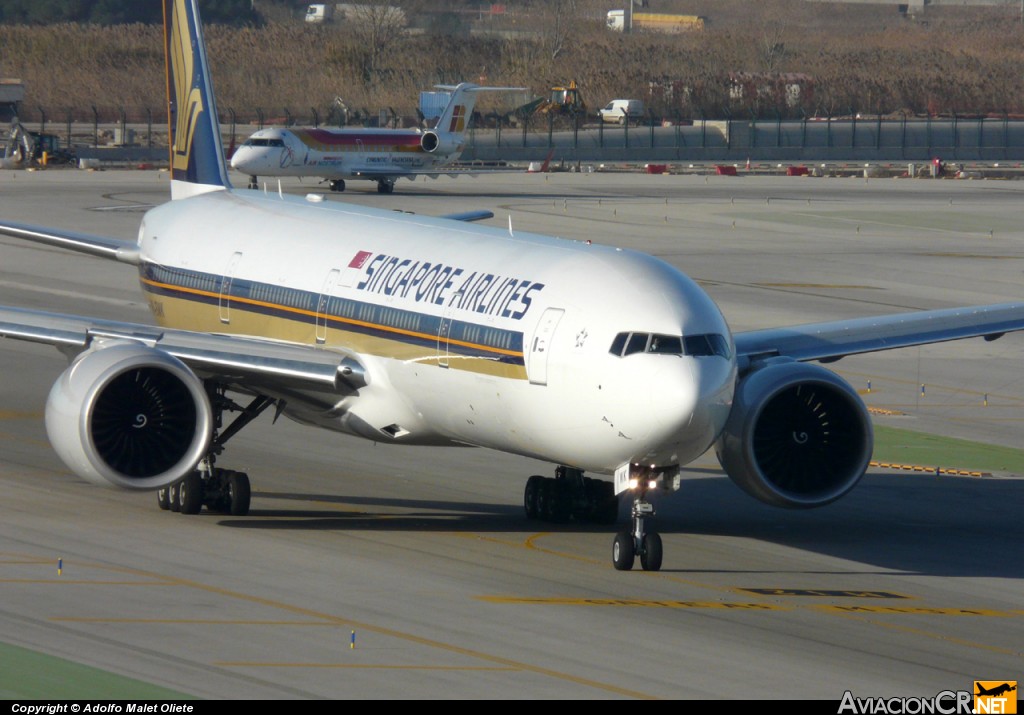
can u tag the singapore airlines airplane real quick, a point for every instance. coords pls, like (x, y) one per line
(381, 155)
(411, 330)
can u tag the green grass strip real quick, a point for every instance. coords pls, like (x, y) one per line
(906, 447)
(26, 674)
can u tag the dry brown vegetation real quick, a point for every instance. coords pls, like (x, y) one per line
(861, 58)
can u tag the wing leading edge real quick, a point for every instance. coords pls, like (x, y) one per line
(246, 362)
(833, 340)
(101, 246)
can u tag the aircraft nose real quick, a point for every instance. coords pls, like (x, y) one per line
(241, 159)
(692, 401)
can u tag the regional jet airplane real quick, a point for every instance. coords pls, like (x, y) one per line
(381, 155)
(428, 331)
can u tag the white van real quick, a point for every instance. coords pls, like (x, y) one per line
(618, 110)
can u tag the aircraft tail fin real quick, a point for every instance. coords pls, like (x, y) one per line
(455, 117)
(196, 154)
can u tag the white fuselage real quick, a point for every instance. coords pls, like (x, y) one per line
(340, 153)
(468, 335)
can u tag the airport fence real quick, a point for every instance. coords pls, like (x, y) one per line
(654, 139)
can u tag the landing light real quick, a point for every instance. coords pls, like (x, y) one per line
(634, 483)
(653, 484)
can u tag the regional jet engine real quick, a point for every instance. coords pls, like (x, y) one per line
(434, 143)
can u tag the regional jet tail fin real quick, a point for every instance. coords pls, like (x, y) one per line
(455, 117)
(197, 157)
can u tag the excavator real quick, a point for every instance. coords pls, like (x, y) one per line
(565, 101)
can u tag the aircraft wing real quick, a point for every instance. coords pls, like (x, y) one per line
(247, 362)
(833, 340)
(101, 246)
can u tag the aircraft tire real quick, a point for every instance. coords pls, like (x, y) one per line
(650, 557)
(172, 497)
(622, 551)
(240, 493)
(190, 493)
(530, 494)
(163, 498)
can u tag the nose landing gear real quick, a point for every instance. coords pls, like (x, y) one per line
(638, 542)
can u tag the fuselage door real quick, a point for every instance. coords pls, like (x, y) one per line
(224, 302)
(540, 346)
(443, 333)
(322, 305)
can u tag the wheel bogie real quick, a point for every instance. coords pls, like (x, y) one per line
(561, 499)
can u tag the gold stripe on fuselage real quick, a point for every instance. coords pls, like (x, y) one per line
(187, 313)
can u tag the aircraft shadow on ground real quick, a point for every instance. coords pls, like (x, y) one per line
(895, 523)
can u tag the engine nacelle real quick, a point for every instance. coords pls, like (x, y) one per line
(130, 416)
(434, 143)
(798, 436)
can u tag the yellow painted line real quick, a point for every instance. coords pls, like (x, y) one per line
(87, 582)
(450, 648)
(814, 285)
(916, 611)
(935, 636)
(881, 410)
(822, 593)
(197, 621)
(632, 603)
(14, 415)
(359, 666)
(928, 470)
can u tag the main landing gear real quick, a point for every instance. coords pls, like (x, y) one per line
(385, 186)
(254, 182)
(223, 491)
(570, 495)
(336, 185)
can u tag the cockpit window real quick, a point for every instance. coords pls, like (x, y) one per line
(256, 141)
(706, 345)
(666, 345)
(710, 344)
(637, 343)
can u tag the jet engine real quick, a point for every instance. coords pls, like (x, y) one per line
(129, 415)
(798, 436)
(434, 143)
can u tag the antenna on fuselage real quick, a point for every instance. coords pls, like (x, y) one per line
(280, 193)
(510, 226)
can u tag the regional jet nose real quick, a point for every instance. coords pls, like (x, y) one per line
(243, 159)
